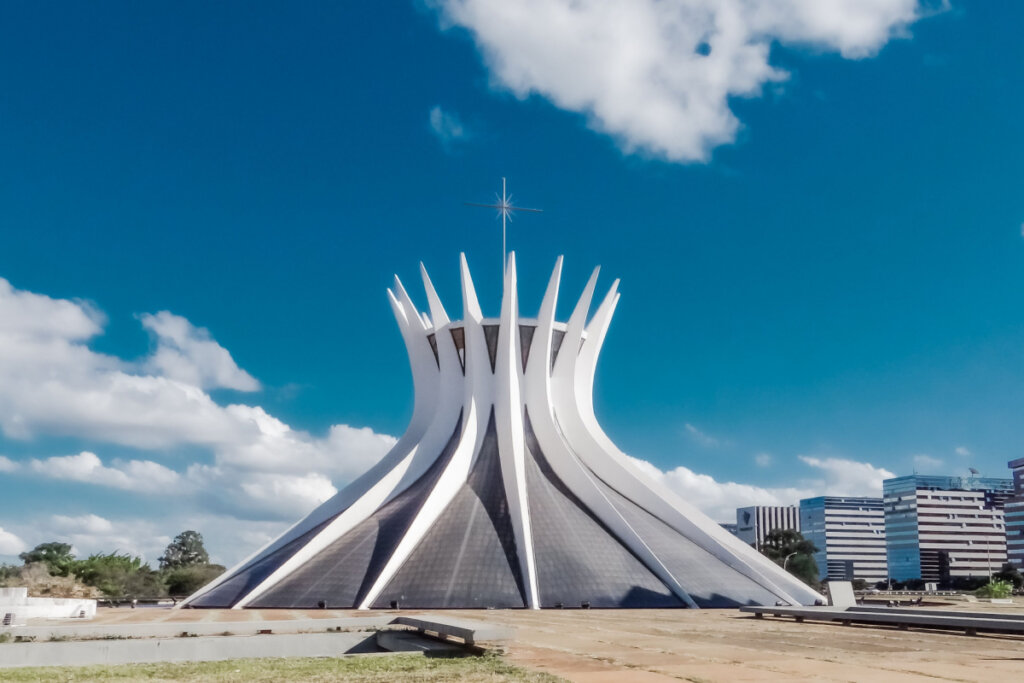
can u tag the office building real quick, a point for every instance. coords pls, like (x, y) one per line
(754, 523)
(939, 528)
(849, 534)
(1014, 513)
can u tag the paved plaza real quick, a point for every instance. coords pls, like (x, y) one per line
(694, 645)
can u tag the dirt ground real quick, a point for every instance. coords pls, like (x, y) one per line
(598, 646)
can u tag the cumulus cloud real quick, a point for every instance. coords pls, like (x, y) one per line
(447, 127)
(763, 459)
(89, 534)
(10, 544)
(189, 354)
(658, 74)
(53, 384)
(134, 475)
(849, 477)
(719, 500)
(700, 437)
(963, 451)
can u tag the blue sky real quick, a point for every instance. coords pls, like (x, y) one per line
(818, 227)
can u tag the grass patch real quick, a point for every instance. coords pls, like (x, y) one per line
(353, 669)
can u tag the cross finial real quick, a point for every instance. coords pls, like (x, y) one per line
(505, 208)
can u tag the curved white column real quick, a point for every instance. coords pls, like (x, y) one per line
(478, 397)
(508, 413)
(385, 474)
(564, 462)
(403, 465)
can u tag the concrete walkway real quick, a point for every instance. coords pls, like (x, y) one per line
(198, 649)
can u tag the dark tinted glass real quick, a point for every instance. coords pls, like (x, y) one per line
(579, 559)
(343, 572)
(468, 558)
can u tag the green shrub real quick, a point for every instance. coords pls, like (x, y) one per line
(995, 589)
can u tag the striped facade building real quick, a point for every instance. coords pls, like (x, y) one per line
(937, 528)
(849, 534)
(754, 523)
(1014, 512)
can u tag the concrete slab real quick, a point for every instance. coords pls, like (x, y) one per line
(199, 649)
(163, 629)
(469, 631)
(408, 641)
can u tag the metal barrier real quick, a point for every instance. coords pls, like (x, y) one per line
(970, 623)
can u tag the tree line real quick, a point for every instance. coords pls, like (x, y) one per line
(52, 567)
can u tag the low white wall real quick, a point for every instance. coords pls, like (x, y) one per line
(16, 601)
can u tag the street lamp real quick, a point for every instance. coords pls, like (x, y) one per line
(786, 561)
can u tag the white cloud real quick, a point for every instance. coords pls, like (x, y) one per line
(189, 354)
(10, 544)
(53, 384)
(763, 459)
(926, 464)
(844, 477)
(658, 74)
(963, 451)
(134, 475)
(89, 534)
(700, 437)
(7, 465)
(719, 500)
(83, 524)
(446, 126)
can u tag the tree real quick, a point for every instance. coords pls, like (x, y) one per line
(185, 550)
(789, 549)
(56, 556)
(111, 573)
(1011, 575)
(144, 583)
(187, 580)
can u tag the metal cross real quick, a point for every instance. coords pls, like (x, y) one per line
(505, 209)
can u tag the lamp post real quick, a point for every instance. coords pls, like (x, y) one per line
(786, 561)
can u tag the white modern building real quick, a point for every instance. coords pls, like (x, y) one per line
(938, 528)
(849, 533)
(755, 522)
(504, 491)
(1014, 515)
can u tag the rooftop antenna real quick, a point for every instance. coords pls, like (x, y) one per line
(505, 208)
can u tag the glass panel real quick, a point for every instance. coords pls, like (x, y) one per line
(525, 340)
(556, 343)
(459, 337)
(341, 574)
(707, 579)
(578, 559)
(432, 340)
(468, 558)
(491, 335)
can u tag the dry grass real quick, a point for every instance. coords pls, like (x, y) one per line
(354, 669)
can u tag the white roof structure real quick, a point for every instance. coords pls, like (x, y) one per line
(504, 491)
